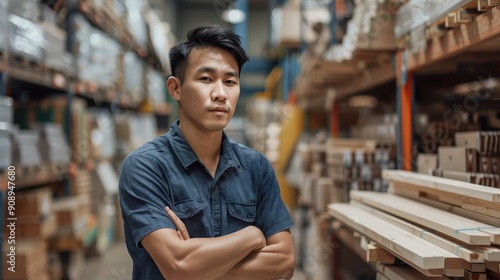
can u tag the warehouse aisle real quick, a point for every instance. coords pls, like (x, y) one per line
(115, 264)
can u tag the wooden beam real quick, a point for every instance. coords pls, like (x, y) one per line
(377, 254)
(399, 272)
(443, 184)
(459, 250)
(454, 226)
(397, 241)
(474, 276)
(485, 27)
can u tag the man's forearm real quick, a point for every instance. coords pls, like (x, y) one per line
(274, 261)
(202, 258)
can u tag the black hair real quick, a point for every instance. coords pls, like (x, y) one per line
(206, 36)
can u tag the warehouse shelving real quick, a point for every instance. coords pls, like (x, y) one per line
(473, 44)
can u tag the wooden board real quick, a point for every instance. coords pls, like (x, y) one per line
(377, 254)
(434, 201)
(443, 184)
(454, 226)
(469, 255)
(398, 272)
(400, 243)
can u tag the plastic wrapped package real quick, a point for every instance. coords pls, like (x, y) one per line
(28, 9)
(438, 9)
(26, 38)
(56, 56)
(143, 129)
(119, 8)
(25, 151)
(97, 54)
(52, 144)
(156, 86)
(158, 36)
(410, 16)
(4, 22)
(136, 22)
(103, 135)
(134, 75)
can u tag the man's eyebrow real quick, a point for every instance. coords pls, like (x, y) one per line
(206, 69)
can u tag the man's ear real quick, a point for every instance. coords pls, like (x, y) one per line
(174, 87)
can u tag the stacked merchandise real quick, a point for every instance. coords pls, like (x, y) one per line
(53, 146)
(26, 37)
(371, 28)
(357, 165)
(25, 150)
(34, 214)
(438, 227)
(415, 17)
(5, 127)
(31, 262)
(136, 22)
(473, 159)
(134, 71)
(103, 136)
(72, 221)
(97, 54)
(264, 127)
(376, 127)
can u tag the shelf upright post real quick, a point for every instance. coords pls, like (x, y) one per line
(405, 106)
(70, 43)
(334, 112)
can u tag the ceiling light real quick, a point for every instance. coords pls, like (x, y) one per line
(233, 15)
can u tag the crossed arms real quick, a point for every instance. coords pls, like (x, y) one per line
(245, 254)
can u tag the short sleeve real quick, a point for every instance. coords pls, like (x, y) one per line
(272, 214)
(143, 197)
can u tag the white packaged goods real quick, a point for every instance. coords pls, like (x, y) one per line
(97, 54)
(26, 38)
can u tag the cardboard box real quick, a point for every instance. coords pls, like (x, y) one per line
(482, 141)
(483, 179)
(36, 202)
(426, 163)
(489, 164)
(458, 159)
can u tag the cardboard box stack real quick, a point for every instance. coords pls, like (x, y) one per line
(475, 158)
(34, 214)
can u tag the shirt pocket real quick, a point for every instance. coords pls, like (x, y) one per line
(242, 215)
(193, 214)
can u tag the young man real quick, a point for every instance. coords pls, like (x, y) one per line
(195, 204)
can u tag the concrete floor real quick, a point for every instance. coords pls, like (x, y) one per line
(115, 264)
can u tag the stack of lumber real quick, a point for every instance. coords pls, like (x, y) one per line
(438, 227)
(356, 164)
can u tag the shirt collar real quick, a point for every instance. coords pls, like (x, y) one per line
(187, 156)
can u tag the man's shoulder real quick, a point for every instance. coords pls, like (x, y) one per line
(245, 153)
(151, 149)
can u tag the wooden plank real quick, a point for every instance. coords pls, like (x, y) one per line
(399, 272)
(485, 27)
(493, 266)
(435, 202)
(375, 253)
(417, 251)
(443, 184)
(474, 276)
(346, 236)
(452, 225)
(466, 254)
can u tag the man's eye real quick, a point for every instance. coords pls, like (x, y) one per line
(205, 79)
(231, 82)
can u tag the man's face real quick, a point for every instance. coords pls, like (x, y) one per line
(210, 89)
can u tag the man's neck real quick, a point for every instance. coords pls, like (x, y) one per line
(205, 144)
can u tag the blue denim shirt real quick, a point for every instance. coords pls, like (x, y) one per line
(167, 172)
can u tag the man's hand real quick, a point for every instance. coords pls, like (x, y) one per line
(181, 228)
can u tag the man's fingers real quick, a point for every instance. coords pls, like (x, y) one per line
(178, 223)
